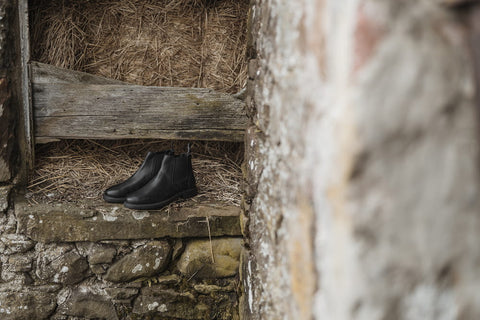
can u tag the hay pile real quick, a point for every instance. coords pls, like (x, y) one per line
(76, 170)
(184, 43)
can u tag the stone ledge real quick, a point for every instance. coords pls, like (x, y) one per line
(156, 302)
(96, 221)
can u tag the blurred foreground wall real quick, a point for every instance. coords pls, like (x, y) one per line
(362, 162)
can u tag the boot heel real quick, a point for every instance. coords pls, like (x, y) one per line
(189, 193)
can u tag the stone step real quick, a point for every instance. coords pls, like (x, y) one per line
(97, 220)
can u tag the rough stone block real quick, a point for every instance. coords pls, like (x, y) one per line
(98, 269)
(143, 262)
(169, 303)
(70, 269)
(244, 219)
(14, 269)
(16, 243)
(67, 268)
(8, 223)
(89, 306)
(4, 197)
(99, 221)
(121, 293)
(171, 279)
(250, 107)
(26, 305)
(253, 161)
(177, 248)
(217, 258)
(252, 68)
(19, 263)
(8, 275)
(212, 288)
(47, 254)
(160, 303)
(99, 254)
(5, 170)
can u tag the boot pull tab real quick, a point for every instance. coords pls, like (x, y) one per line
(188, 149)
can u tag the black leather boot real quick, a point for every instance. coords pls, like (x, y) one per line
(149, 168)
(174, 180)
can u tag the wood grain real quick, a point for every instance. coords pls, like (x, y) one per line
(46, 73)
(26, 131)
(69, 104)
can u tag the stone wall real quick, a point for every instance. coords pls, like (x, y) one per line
(362, 162)
(94, 261)
(118, 279)
(97, 261)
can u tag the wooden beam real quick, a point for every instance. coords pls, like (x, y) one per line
(46, 73)
(73, 105)
(27, 144)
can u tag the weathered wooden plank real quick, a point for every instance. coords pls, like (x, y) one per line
(46, 73)
(112, 111)
(26, 126)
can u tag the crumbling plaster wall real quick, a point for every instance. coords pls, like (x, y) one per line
(361, 162)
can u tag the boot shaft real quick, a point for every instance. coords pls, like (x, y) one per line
(179, 170)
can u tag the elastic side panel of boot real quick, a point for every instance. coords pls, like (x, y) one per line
(183, 172)
(191, 176)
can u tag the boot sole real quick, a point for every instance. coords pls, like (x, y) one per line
(113, 199)
(158, 205)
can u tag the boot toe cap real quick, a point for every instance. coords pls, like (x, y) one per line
(133, 198)
(141, 197)
(114, 192)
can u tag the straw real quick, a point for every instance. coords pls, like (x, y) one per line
(182, 43)
(76, 170)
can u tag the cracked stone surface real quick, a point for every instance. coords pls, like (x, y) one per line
(100, 221)
(143, 262)
(4, 197)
